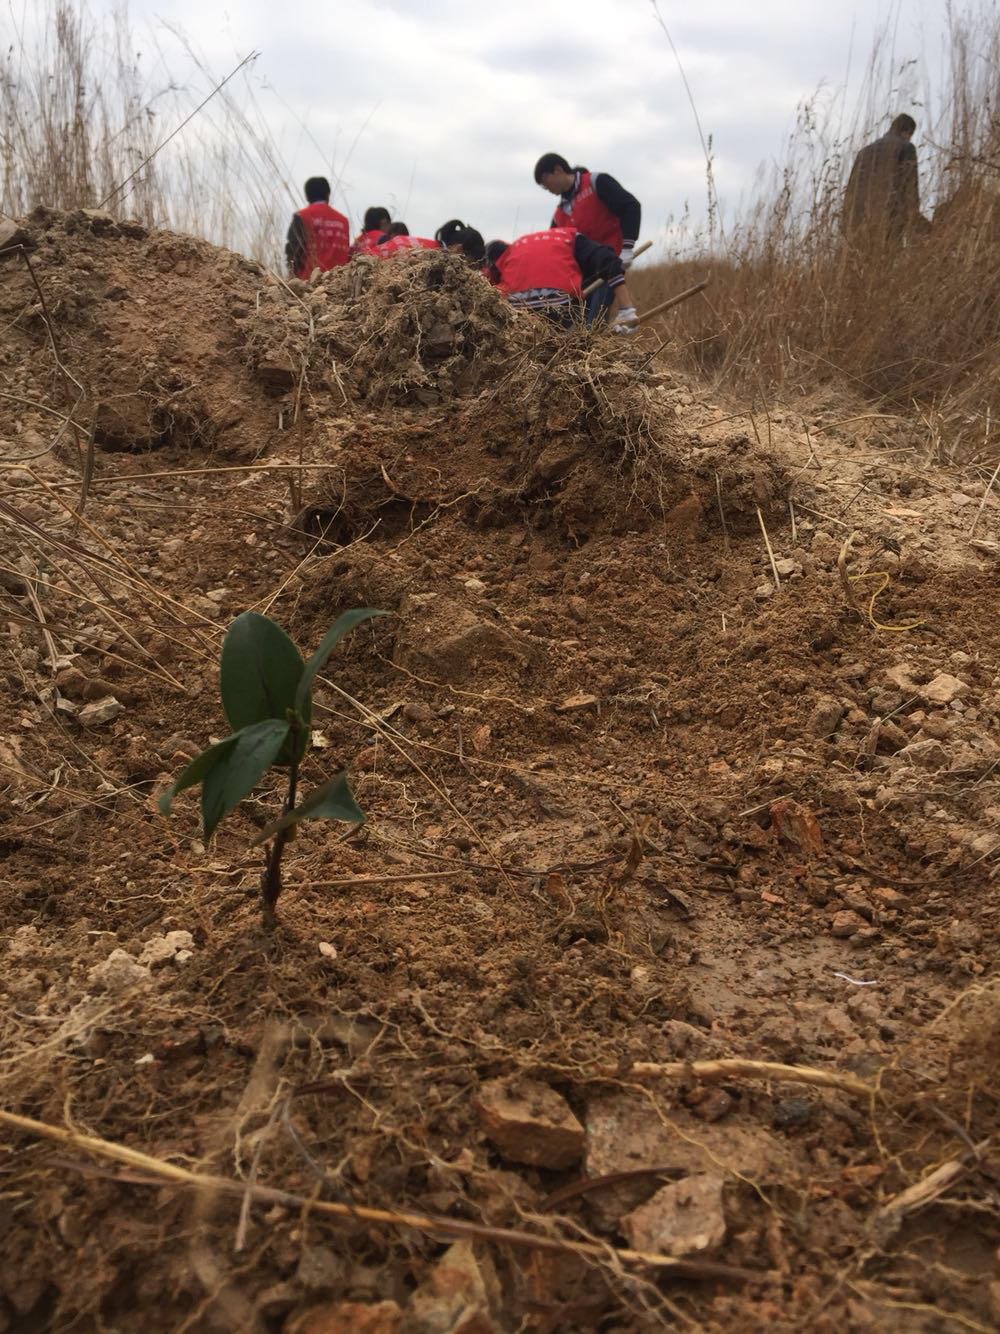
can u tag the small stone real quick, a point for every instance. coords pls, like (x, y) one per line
(825, 717)
(457, 1295)
(796, 825)
(118, 972)
(578, 703)
(846, 923)
(159, 950)
(965, 935)
(926, 754)
(418, 712)
(787, 568)
(763, 591)
(475, 586)
(319, 1268)
(709, 1102)
(943, 689)
(685, 1218)
(12, 234)
(530, 1123)
(101, 712)
(889, 897)
(327, 950)
(148, 1059)
(791, 1112)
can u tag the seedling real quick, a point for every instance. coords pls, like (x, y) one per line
(267, 696)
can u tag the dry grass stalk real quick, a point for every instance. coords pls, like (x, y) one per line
(154, 1171)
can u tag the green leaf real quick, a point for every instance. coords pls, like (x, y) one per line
(333, 800)
(331, 639)
(229, 780)
(196, 771)
(259, 675)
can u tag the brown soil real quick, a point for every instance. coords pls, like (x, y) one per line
(628, 802)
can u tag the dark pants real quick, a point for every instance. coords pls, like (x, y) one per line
(598, 306)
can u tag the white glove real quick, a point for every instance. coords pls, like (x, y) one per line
(626, 256)
(626, 321)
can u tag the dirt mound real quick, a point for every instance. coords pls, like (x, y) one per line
(645, 788)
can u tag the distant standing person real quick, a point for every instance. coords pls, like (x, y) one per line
(882, 199)
(377, 223)
(319, 237)
(598, 207)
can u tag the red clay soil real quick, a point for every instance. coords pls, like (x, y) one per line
(635, 794)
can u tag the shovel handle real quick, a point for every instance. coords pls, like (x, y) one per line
(674, 301)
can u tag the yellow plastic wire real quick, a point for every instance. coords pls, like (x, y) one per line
(884, 576)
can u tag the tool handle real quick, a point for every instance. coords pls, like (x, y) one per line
(673, 301)
(599, 282)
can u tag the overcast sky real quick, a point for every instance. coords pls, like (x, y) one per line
(439, 108)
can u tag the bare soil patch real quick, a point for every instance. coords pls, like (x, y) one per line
(630, 801)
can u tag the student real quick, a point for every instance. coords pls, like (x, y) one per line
(377, 222)
(597, 206)
(547, 272)
(319, 237)
(882, 199)
(454, 236)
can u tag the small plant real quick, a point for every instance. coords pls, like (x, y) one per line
(267, 696)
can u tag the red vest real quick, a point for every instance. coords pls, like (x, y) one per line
(327, 239)
(541, 259)
(365, 242)
(589, 216)
(400, 244)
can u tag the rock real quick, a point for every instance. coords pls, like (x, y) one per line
(846, 923)
(901, 678)
(825, 717)
(24, 942)
(791, 1112)
(556, 460)
(101, 712)
(684, 1218)
(159, 950)
(787, 568)
(889, 898)
(12, 234)
(327, 950)
(457, 1297)
(965, 935)
(578, 703)
(795, 824)
(763, 591)
(347, 1318)
(943, 689)
(624, 1133)
(530, 1123)
(475, 586)
(709, 1102)
(319, 1268)
(418, 712)
(118, 972)
(926, 754)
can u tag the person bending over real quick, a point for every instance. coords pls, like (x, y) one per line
(598, 207)
(547, 272)
(319, 237)
(454, 236)
(377, 221)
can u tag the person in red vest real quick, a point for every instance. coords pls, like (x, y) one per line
(547, 272)
(377, 222)
(454, 236)
(596, 205)
(319, 237)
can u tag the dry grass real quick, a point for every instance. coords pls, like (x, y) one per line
(793, 305)
(82, 111)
